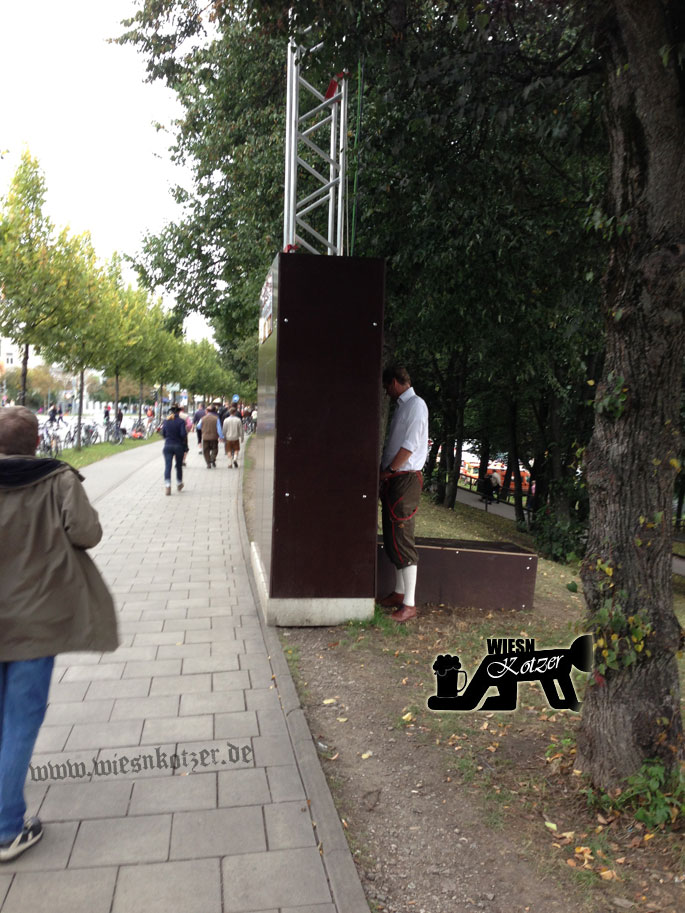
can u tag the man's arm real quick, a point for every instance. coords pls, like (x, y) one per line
(396, 463)
(79, 517)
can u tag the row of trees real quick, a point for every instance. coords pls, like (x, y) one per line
(79, 313)
(518, 164)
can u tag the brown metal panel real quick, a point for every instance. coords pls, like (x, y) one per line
(329, 341)
(487, 575)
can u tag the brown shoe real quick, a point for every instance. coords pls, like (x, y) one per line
(406, 613)
(392, 601)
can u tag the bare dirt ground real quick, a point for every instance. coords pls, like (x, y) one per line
(455, 813)
(445, 816)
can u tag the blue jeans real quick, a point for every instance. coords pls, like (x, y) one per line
(171, 451)
(24, 687)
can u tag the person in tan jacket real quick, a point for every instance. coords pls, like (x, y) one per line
(233, 434)
(52, 600)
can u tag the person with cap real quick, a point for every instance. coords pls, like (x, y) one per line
(175, 437)
(212, 433)
(52, 600)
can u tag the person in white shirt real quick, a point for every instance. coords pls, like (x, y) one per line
(404, 456)
(234, 434)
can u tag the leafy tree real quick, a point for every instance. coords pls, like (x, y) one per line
(42, 381)
(88, 311)
(30, 284)
(215, 258)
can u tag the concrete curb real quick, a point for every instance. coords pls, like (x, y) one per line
(343, 878)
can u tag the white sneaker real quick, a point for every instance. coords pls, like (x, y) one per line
(31, 833)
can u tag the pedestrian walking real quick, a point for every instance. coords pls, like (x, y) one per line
(234, 434)
(52, 600)
(197, 418)
(212, 433)
(175, 442)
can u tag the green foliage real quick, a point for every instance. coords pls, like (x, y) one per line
(558, 538)
(652, 795)
(620, 640)
(611, 400)
(561, 534)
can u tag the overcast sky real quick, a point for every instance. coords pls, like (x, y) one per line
(82, 108)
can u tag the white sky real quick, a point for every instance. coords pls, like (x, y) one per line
(82, 108)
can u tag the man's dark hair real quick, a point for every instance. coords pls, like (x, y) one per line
(398, 373)
(18, 430)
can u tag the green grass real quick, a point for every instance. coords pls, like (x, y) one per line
(87, 455)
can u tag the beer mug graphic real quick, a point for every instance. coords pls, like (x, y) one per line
(450, 677)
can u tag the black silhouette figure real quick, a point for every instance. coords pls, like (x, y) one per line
(505, 670)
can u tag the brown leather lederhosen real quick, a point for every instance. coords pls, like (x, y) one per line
(400, 496)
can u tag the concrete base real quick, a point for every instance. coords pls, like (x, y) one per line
(304, 612)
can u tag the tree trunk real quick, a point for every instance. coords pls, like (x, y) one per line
(24, 375)
(432, 457)
(441, 483)
(514, 462)
(116, 395)
(451, 474)
(140, 401)
(632, 713)
(483, 486)
(80, 409)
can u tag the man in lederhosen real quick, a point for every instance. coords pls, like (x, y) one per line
(403, 459)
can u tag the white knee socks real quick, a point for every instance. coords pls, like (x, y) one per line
(409, 581)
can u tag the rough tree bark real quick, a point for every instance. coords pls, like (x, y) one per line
(633, 713)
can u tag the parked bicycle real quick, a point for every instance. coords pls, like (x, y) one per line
(114, 433)
(49, 444)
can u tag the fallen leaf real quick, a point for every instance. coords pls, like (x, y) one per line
(408, 717)
(608, 875)
(367, 754)
(571, 862)
(485, 725)
(647, 837)
(329, 700)
(551, 825)
(342, 719)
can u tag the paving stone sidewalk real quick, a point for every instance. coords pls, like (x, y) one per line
(178, 772)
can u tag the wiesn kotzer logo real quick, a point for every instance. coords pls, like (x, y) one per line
(508, 662)
(154, 759)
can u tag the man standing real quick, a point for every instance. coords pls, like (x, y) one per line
(403, 459)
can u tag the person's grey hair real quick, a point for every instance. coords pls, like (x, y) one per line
(234, 411)
(18, 430)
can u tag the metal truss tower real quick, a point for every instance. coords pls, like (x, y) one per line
(315, 143)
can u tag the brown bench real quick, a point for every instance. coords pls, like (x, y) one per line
(455, 572)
